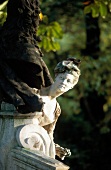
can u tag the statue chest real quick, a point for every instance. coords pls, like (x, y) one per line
(48, 111)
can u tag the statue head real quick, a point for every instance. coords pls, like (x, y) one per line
(66, 76)
(70, 66)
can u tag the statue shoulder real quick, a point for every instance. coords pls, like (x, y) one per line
(57, 109)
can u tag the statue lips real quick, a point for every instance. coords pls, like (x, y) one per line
(62, 85)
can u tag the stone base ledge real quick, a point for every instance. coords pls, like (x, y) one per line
(33, 160)
(8, 110)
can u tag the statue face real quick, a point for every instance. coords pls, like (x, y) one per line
(65, 81)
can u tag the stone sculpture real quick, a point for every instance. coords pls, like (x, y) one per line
(26, 82)
(21, 65)
(66, 77)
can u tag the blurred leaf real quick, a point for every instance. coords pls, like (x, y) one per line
(87, 9)
(103, 9)
(56, 30)
(50, 33)
(104, 130)
(95, 10)
(3, 13)
(56, 46)
(97, 7)
(109, 6)
(45, 19)
(3, 5)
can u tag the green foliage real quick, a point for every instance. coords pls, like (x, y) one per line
(3, 13)
(86, 140)
(104, 129)
(98, 7)
(50, 33)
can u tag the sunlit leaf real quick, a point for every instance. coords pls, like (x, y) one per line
(56, 46)
(41, 16)
(95, 10)
(103, 10)
(49, 34)
(87, 9)
(3, 5)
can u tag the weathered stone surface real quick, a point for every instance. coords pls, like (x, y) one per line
(35, 137)
(33, 160)
(10, 121)
(14, 158)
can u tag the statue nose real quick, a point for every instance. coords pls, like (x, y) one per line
(64, 81)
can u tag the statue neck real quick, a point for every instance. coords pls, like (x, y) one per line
(51, 92)
(45, 91)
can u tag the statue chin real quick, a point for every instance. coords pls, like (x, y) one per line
(59, 91)
(62, 90)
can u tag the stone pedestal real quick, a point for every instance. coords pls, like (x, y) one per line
(21, 145)
(23, 159)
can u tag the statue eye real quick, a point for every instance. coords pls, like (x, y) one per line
(61, 77)
(68, 80)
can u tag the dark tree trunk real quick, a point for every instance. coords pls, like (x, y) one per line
(92, 106)
(92, 37)
(1, 1)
